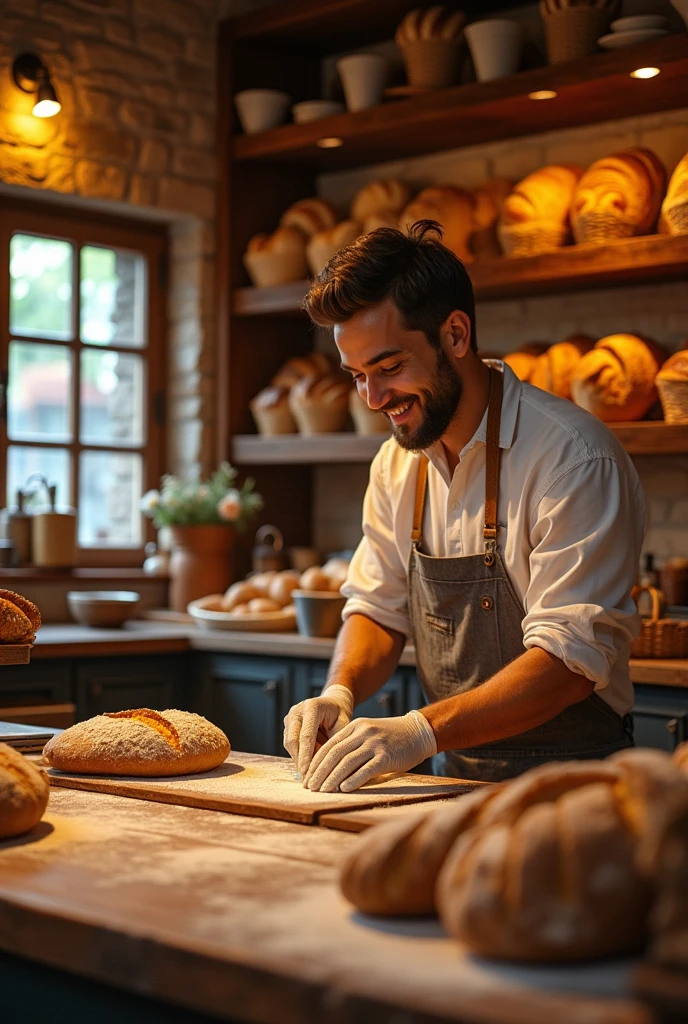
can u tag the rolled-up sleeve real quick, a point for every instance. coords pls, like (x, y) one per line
(586, 537)
(376, 585)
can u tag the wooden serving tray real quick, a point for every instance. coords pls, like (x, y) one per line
(264, 787)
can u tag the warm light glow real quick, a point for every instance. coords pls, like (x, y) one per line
(645, 73)
(543, 94)
(47, 108)
(330, 142)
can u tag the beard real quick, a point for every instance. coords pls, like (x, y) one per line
(439, 404)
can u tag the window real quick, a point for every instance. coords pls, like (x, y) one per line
(81, 359)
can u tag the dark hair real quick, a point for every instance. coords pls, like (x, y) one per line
(424, 279)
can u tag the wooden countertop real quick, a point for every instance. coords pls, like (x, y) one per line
(242, 918)
(157, 637)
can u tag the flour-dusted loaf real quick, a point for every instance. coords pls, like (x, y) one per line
(325, 244)
(674, 220)
(561, 866)
(275, 259)
(616, 380)
(386, 196)
(535, 216)
(554, 368)
(618, 196)
(454, 210)
(24, 793)
(139, 742)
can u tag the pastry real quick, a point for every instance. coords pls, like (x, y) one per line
(275, 259)
(387, 196)
(15, 625)
(489, 202)
(616, 380)
(674, 218)
(452, 208)
(325, 244)
(320, 406)
(24, 793)
(535, 215)
(554, 368)
(366, 420)
(281, 586)
(315, 364)
(241, 593)
(309, 216)
(524, 360)
(618, 196)
(24, 605)
(672, 385)
(140, 742)
(270, 409)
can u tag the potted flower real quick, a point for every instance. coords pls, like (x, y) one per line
(203, 518)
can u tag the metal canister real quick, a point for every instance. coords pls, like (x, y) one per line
(268, 551)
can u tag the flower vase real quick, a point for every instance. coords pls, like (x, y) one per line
(200, 563)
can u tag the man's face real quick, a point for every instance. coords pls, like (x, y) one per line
(400, 373)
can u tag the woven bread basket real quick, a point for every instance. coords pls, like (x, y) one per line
(673, 395)
(677, 218)
(572, 32)
(659, 637)
(596, 227)
(432, 63)
(532, 239)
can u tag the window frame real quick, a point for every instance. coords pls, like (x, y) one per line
(82, 228)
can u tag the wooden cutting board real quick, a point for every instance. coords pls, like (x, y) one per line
(362, 819)
(266, 787)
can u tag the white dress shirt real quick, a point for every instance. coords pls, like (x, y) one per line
(572, 521)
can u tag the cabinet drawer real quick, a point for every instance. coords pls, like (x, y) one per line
(248, 698)
(117, 684)
(660, 718)
(386, 703)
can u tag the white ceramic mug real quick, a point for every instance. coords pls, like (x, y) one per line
(496, 46)
(261, 109)
(364, 77)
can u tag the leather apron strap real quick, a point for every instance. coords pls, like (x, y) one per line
(490, 529)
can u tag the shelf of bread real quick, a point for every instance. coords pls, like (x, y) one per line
(592, 90)
(570, 268)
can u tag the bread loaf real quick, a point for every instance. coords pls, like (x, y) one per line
(320, 406)
(554, 368)
(270, 409)
(386, 196)
(19, 618)
(309, 216)
(325, 244)
(618, 196)
(535, 216)
(674, 219)
(560, 866)
(524, 360)
(281, 586)
(672, 385)
(140, 742)
(315, 364)
(434, 23)
(453, 209)
(616, 380)
(366, 420)
(489, 202)
(241, 593)
(23, 793)
(275, 259)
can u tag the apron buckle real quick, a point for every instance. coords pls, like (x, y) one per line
(490, 551)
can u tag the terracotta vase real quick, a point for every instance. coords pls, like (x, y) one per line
(200, 563)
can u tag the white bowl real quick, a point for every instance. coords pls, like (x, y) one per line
(619, 40)
(496, 46)
(639, 22)
(102, 608)
(261, 109)
(364, 77)
(315, 110)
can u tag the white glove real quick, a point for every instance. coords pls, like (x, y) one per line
(370, 747)
(326, 714)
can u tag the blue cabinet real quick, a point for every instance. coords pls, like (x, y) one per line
(115, 684)
(660, 717)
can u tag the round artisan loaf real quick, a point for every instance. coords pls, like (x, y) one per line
(452, 208)
(618, 196)
(525, 359)
(554, 368)
(139, 742)
(535, 216)
(387, 195)
(560, 866)
(23, 793)
(325, 244)
(616, 380)
(309, 216)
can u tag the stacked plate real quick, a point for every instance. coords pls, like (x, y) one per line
(632, 31)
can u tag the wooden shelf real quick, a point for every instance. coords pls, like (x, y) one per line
(15, 654)
(574, 268)
(592, 90)
(253, 450)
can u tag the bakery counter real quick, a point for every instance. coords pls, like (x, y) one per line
(158, 909)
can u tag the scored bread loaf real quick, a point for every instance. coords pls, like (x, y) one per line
(616, 380)
(524, 360)
(325, 244)
(561, 865)
(275, 259)
(320, 406)
(309, 216)
(385, 196)
(139, 742)
(618, 196)
(554, 368)
(454, 210)
(24, 793)
(674, 219)
(535, 215)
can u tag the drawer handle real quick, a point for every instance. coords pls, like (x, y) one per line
(672, 725)
(270, 687)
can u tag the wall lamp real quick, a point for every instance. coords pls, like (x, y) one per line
(31, 75)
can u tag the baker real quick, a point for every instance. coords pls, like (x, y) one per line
(502, 530)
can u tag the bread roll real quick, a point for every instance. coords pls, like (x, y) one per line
(15, 626)
(315, 364)
(271, 412)
(454, 210)
(24, 605)
(366, 420)
(320, 406)
(616, 380)
(618, 196)
(23, 793)
(262, 580)
(140, 742)
(524, 360)
(281, 586)
(315, 579)
(434, 23)
(275, 259)
(554, 368)
(309, 216)
(385, 196)
(260, 605)
(240, 593)
(323, 245)
(535, 216)
(674, 219)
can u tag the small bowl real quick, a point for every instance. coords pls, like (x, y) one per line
(638, 23)
(315, 110)
(318, 612)
(261, 109)
(104, 608)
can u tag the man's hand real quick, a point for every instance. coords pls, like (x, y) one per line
(370, 747)
(325, 715)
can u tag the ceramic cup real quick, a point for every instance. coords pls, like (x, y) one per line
(364, 77)
(496, 47)
(261, 109)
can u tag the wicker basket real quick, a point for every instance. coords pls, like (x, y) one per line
(572, 32)
(676, 217)
(659, 637)
(597, 227)
(673, 395)
(432, 63)
(531, 239)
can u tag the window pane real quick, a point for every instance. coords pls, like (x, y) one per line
(109, 495)
(38, 392)
(112, 297)
(41, 287)
(111, 398)
(52, 463)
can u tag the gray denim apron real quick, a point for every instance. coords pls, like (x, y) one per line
(466, 621)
